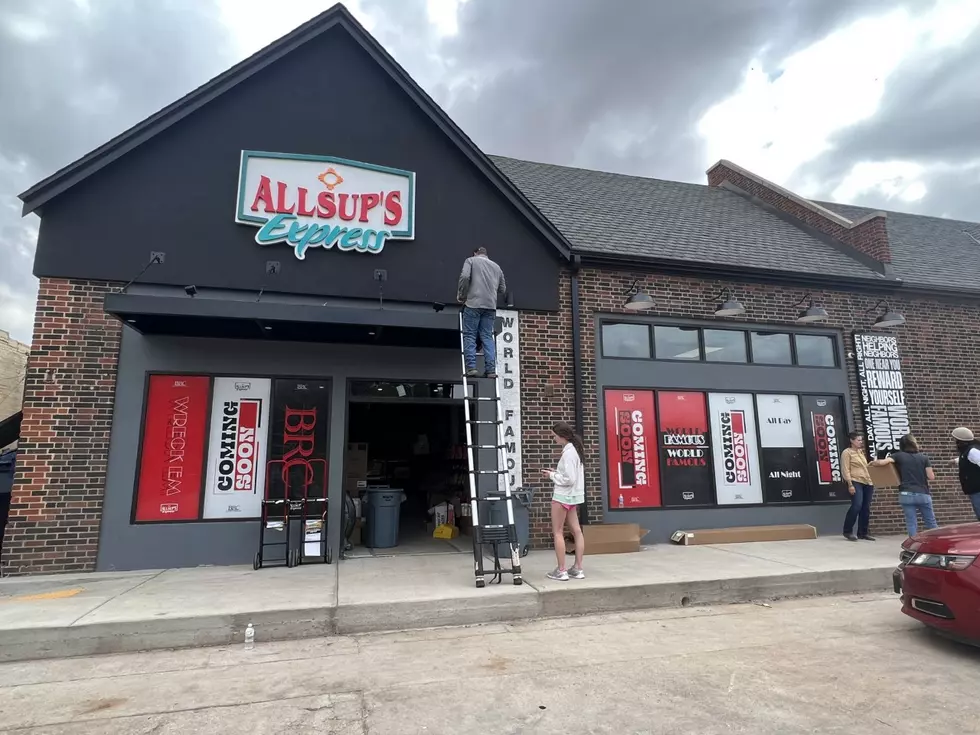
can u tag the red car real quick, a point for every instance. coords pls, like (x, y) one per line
(938, 577)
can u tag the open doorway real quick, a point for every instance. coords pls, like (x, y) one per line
(409, 438)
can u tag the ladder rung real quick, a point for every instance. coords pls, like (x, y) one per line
(491, 499)
(487, 446)
(489, 472)
(482, 398)
(496, 421)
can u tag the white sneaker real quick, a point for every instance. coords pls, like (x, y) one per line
(557, 574)
(576, 573)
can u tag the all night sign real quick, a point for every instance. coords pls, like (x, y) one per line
(323, 202)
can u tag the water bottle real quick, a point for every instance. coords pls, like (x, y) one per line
(621, 503)
(249, 637)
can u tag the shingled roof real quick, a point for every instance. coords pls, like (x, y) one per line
(614, 214)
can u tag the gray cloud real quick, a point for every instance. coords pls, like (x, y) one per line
(611, 84)
(73, 77)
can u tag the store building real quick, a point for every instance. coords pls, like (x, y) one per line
(179, 347)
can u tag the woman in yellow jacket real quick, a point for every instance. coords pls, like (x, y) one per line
(855, 467)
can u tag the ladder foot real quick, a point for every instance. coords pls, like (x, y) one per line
(518, 581)
(480, 584)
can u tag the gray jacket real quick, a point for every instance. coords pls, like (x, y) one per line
(481, 283)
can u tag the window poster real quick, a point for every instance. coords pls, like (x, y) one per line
(298, 441)
(826, 438)
(631, 436)
(735, 450)
(172, 457)
(784, 465)
(685, 449)
(237, 451)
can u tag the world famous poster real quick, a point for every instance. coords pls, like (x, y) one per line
(735, 450)
(236, 453)
(826, 438)
(784, 466)
(631, 449)
(685, 449)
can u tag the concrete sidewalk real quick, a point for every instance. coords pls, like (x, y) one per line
(71, 615)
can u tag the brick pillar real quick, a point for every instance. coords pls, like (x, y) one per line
(56, 505)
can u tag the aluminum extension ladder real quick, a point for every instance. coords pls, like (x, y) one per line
(488, 535)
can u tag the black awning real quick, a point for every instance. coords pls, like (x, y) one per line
(287, 319)
(10, 429)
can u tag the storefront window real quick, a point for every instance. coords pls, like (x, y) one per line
(724, 345)
(771, 348)
(677, 343)
(815, 351)
(626, 340)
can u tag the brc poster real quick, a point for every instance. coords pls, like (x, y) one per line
(631, 452)
(784, 467)
(237, 450)
(826, 438)
(300, 419)
(685, 449)
(735, 449)
(172, 458)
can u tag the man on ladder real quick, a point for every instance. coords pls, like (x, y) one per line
(481, 283)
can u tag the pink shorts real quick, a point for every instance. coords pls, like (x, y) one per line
(566, 506)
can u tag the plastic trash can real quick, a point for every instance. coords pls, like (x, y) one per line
(382, 515)
(521, 500)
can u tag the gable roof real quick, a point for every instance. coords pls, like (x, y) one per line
(928, 252)
(650, 219)
(336, 16)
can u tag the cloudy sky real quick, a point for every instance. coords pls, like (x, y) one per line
(873, 102)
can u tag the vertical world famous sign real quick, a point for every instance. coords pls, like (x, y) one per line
(685, 449)
(509, 368)
(237, 450)
(631, 449)
(882, 386)
(736, 451)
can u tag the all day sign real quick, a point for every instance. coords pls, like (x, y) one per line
(307, 201)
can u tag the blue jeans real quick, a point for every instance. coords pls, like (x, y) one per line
(975, 500)
(479, 322)
(922, 501)
(860, 509)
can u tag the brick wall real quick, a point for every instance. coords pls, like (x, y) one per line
(56, 506)
(869, 236)
(939, 367)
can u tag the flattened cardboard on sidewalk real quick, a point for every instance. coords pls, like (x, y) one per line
(743, 534)
(613, 538)
(885, 476)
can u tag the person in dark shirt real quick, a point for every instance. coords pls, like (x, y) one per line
(914, 474)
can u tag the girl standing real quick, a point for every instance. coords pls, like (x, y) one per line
(569, 493)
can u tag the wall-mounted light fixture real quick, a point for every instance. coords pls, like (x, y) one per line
(728, 304)
(888, 318)
(812, 313)
(638, 300)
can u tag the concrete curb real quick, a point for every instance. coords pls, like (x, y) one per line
(168, 633)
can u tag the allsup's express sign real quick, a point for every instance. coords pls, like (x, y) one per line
(310, 201)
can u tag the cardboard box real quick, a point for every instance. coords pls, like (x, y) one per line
(742, 534)
(886, 476)
(612, 538)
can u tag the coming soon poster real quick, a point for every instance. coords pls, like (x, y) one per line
(237, 449)
(172, 458)
(784, 466)
(736, 451)
(685, 449)
(631, 449)
(826, 438)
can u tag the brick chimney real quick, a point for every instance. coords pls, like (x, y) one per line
(868, 235)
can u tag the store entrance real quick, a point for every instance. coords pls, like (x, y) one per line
(406, 446)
